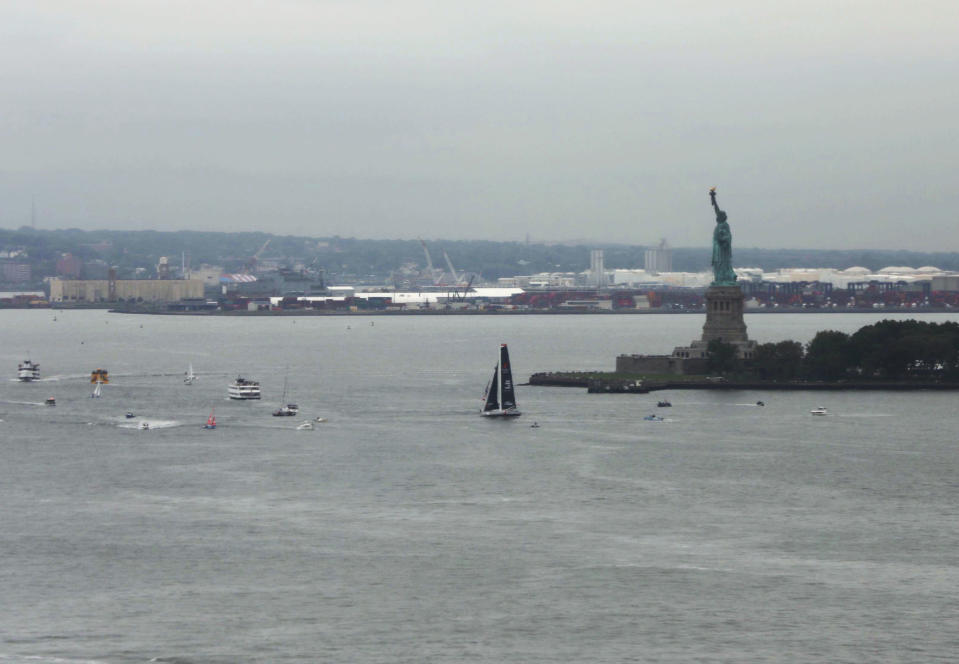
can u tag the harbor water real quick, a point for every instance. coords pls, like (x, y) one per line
(406, 528)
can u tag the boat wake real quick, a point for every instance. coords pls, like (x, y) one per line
(868, 415)
(137, 423)
(39, 659)
(60, 377)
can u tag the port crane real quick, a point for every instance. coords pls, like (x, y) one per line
(457, 278)
(429, 266)
(462, 295)
(251, 263)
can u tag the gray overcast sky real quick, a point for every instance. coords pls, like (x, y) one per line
(824, 123)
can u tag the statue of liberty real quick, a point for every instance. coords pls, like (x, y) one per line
(723, 274)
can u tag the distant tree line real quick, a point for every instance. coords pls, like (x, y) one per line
(377, 259)
(889, 349)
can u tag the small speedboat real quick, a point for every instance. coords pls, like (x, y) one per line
(653, 418)
(130, 415)
(319, 419)
(664, 404)
(144, 426)
(305, 426)
(819, 410)
(760, 403)
(50, 401)
(534, 425)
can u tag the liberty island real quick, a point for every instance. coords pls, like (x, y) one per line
(724, 316)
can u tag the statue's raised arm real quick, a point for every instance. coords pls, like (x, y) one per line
(712, 197)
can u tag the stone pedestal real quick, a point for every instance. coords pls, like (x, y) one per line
(724, 315)
(724, 321)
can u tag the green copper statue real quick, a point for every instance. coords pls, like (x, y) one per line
(723, 274)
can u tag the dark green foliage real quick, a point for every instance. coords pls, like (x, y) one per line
(889, 349)
(778, 361)
(894, 349)
(720, 357)
(828, 356)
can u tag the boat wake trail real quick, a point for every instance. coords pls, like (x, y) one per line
(138, 423)
(60, 377)
(39, 659)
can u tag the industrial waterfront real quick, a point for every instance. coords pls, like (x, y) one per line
(225, 272)
(407, 528)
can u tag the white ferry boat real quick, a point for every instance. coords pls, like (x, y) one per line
(242, 388)
(27, 371)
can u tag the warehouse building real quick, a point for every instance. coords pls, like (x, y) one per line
(124, 290)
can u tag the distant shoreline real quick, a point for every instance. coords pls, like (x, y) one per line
(111, 307)
(515, 312)
(610, 383)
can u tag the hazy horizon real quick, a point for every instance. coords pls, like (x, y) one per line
(824, 127)
(435, 243)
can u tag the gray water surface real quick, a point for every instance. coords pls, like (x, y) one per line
(408, 529)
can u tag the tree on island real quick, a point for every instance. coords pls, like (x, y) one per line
(896, 349)
(886, 350)
(828, 356)
(889, 349)
(721, 357)
(778, 361)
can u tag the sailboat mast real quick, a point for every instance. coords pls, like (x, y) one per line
(503, 378)
(499, 378)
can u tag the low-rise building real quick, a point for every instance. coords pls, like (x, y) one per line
(137, 290)
(14, 272)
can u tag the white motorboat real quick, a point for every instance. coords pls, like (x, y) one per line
(500, 397)
(819, 410)
(244, 389)
(305, 426)
(27, 371)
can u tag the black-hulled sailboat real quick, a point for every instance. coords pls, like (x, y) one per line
(500, 398)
